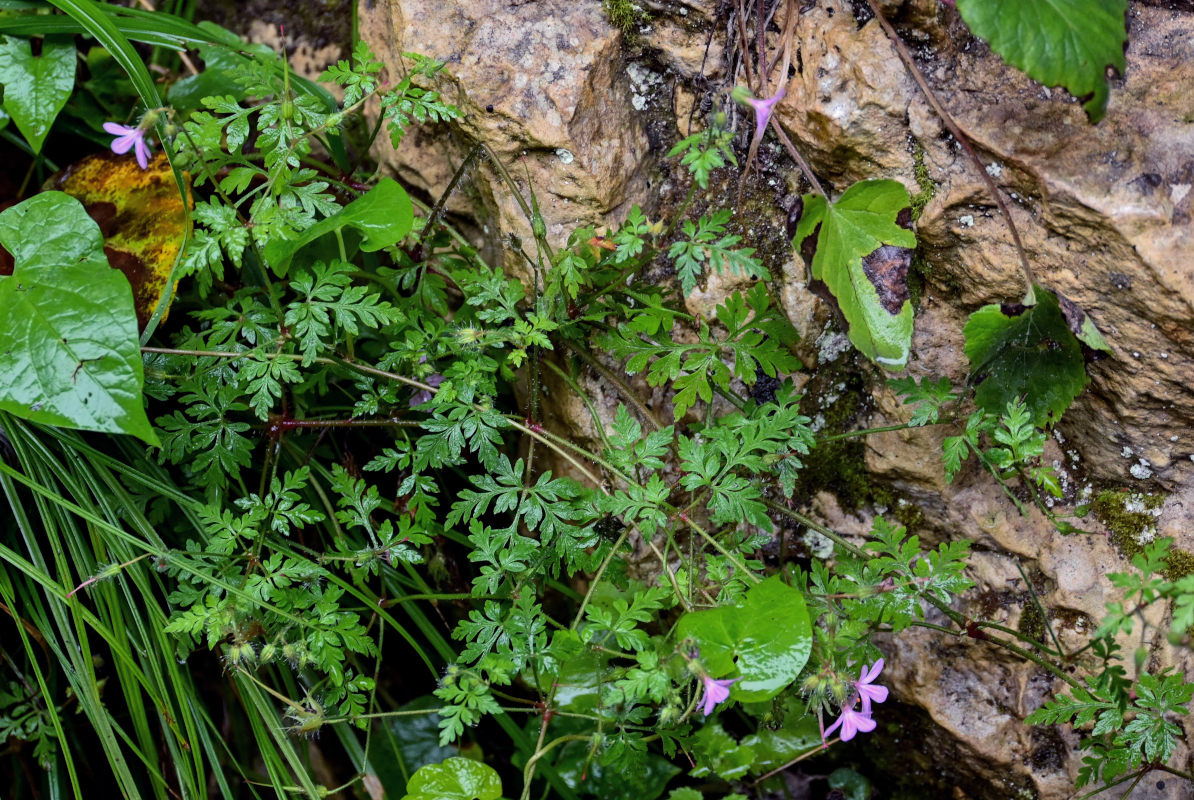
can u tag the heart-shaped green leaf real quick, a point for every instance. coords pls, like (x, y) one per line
(1068, 43)
(68, 342)
(455, 779)
(383, 215)
(858, 257)
(766, 638)
(36, 87)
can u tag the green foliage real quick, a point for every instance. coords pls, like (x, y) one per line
(1122, 738)
(754, 343)
(455, 779)
(927, 396)
(1025, 353)
(70, 353)
(36, 87)
(705, 151)
(764, 640)
(1070, 43)
(23, 716)
(361, 477)
(876, 307)
(382, 216)
(705, 243)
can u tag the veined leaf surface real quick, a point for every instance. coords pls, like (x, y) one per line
(873, 300)
(68, 336)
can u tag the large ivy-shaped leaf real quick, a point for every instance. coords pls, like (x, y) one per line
(68, 337)
(766, 638)
(1027, 352)
(455, 779)
(36, 87)
(383, 215)
(873, 300)
(1068, 43)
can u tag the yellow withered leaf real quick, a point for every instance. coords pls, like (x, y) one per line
(140, 213)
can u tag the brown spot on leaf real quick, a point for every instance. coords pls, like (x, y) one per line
(104, 214)
(1073, 313)
(140, 278)
(794, 215)
(887, 270)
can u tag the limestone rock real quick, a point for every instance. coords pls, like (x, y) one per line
(1106, 218)
(542, 84)
(848, 103)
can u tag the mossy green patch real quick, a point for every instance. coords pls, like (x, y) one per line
(928, 189)
(1127, 517)
(1179, 564)
(1131, 522)
(625, 16)
(836, 398)
(1032, 622)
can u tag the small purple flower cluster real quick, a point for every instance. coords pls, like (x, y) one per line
(851, 721)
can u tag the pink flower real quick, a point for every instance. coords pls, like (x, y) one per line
(866, 691)
(423, 396)
(763, 108)
(129, 139)
(715, 692)
(851, 722)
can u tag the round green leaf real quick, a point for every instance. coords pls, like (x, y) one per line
(767, 638)
(68, 343)
(455, 779)
(1068, 43)
(382, 216)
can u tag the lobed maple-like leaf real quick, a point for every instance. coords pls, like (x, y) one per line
(856, 237)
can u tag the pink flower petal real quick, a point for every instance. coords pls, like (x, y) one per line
(142, 151)
(123, 144)
(118, 130)
(716, 691)
(869, 675)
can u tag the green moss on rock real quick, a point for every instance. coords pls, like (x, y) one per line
(928, 189)
(1131, 521)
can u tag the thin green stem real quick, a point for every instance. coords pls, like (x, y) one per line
(605, 562)
(623, 389)
(721, 549)
(1040, 610)
(541, 750)
(868, 431)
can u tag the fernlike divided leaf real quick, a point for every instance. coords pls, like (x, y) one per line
(68, 341)
(1069, 43)
(858, 257)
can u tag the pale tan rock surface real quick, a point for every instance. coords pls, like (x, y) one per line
(544, 85)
